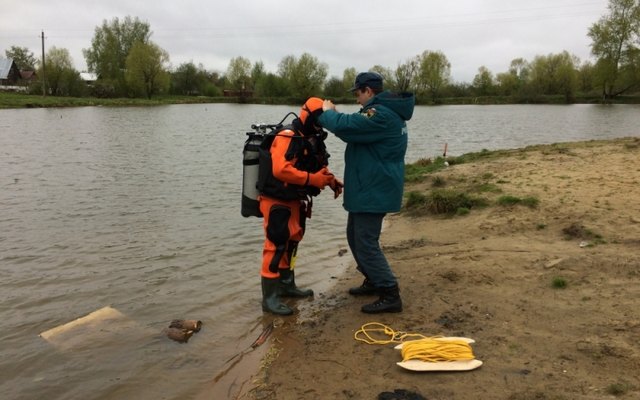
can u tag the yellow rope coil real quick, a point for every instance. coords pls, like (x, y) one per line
(437, 350)
(424, 348)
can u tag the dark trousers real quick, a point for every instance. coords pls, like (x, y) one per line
(363, 235)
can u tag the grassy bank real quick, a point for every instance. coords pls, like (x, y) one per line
(18, 100)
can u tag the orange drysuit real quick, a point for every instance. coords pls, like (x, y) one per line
(284, 220)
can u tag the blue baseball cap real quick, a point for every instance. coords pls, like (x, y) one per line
(367, 79)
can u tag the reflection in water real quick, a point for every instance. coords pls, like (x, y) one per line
(138, 209)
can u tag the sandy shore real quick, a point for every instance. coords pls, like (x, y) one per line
(550, 294)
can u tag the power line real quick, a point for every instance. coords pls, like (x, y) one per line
(438, 21)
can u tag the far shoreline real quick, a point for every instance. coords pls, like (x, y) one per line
(12, 100)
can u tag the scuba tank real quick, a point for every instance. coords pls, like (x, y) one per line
(250, 206)
(261, 136)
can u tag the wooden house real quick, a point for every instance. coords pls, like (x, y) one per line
(9, 72)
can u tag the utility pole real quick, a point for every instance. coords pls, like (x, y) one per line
(44, 89)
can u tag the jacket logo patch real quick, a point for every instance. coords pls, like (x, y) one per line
(370, 112)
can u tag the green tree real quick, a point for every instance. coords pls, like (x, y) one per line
(555, 74)
(567, 78)
(215, 83)
(585, 77)
(520, 68)
(406, 75)
(258, 72)
(514, 81)
(387, 75)
(272, 85)
(506, 83)
(189, 79)
(110, 48)
(334, 88)
(239, 73)
(305, 75)
(458, 89)
(61, 78)
(146, 71)
(348, 78)
(615, 38)
(434, 73)
(24, 59)
(483, 82)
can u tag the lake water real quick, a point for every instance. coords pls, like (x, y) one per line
(139, 209)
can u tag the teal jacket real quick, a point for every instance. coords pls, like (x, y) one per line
(376, 138)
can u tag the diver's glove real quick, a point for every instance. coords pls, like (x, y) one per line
(321, 179)
(336, 186)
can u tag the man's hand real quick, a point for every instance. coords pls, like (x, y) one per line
(336, 186)
(321, 179)
(328, 105)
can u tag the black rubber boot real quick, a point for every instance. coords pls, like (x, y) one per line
(389, 302)
(288, 286)
(366, 289)
(270, 300)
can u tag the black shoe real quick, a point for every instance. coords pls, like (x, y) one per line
(389, 302)
(366, 289)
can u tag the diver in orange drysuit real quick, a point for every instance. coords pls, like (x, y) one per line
(293, 169)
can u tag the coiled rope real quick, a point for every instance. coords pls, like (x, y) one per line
(424, 348)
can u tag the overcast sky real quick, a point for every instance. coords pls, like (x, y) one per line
(340, 33)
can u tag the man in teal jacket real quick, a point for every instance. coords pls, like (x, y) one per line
(376, 138)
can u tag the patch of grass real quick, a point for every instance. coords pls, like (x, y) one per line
(462, 211)
(483, 154)
(417, 171)
(578, 231)
(442, 201)
(487, 188)
(438, 181)
(559, 283)
(540, 226)
(530, 201)
(449, 201)
(633, 145)
(415, 200)
(508, 200)
(618, 388)
(557, 148)
(487, 175)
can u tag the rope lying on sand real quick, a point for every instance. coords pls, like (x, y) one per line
(424, 348)
(366, 333)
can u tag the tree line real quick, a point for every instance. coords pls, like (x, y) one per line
(129, 64)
